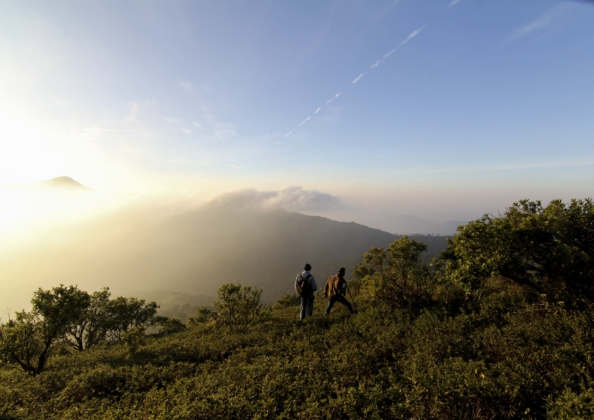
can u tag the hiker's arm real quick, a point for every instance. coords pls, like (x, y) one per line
(343, 288)
(314, 286)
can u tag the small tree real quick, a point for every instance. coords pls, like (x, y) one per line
(396, 277)
(123, 314)
(239, 307)
(169, 325)
(29, 339)
(133, 338)
(203, 315)
(21, 342)
(91, 328)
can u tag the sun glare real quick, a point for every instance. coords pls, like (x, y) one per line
(28, 154)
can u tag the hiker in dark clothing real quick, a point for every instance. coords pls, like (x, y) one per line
(335, 291)
(305, 286)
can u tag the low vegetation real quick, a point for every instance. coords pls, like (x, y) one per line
(499, 326)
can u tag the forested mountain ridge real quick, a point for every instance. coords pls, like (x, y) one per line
(195, 252)
(271, 247)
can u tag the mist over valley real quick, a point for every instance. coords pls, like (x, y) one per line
(143, 250)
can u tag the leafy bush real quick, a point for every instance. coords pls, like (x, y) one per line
(396, 277)
(239, 306)
(548, 250)
(203, 315)
(123, 314)
(288, 300)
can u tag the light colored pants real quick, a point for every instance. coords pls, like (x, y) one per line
(306, 306)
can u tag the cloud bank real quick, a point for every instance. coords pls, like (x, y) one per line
(292, 198)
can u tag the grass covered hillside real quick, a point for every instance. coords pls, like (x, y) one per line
(499, 326)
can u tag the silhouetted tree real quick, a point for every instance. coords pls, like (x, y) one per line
(29, 339)
(123, 314)
(92, 326)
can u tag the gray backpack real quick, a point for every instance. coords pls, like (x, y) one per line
(303, 286)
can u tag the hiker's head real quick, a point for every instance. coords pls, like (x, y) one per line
(307, 267)
(341, 272)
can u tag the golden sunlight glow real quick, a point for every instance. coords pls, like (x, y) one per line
(28, 154)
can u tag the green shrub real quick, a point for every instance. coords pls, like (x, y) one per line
(239, 306)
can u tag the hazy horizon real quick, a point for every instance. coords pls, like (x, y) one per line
(138, 244)
(133, 244)
(398, 115)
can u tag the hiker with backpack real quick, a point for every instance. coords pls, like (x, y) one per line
(305, 286)
(335, 290)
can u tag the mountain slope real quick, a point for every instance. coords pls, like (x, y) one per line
(195, 252)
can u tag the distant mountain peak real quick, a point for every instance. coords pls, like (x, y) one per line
(62, 182)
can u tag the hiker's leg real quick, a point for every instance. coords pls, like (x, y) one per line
(310, 302)
(303, 307)
(331, 301)
(345, 302)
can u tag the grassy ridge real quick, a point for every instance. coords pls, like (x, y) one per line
(509, 359)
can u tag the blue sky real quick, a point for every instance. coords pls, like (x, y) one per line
(481, 103)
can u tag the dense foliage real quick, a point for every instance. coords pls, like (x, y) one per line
(480, 333)
(72, 318)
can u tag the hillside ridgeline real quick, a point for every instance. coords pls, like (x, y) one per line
(499, 326)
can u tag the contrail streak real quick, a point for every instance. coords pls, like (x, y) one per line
(304, 121)
(334, 97)
(374, 65)
(412, 35)
(358, 78)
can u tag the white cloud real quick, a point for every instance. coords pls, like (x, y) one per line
(498, 167)
(541, 22)
(374, 65)
(289, 198)
(173, 120)
(187, 86)
(181, 161)
(195, 124)
(185, 130)
(357, 78)
(224, 130)
(317, 110)
(133, 114)
(454, 2)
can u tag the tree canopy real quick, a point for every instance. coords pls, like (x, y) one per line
(548, 250)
